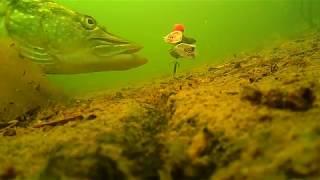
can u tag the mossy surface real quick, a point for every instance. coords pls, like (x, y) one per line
(254, 117)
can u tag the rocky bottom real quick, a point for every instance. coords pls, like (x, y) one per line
(255, 117)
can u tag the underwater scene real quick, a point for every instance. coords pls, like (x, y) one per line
(159, 89)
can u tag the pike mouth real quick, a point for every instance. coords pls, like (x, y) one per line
(113, 52)
(107, 47)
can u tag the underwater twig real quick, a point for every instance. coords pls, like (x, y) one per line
(9, 125)
(59, 122)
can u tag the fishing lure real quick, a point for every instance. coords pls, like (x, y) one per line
(183, 47)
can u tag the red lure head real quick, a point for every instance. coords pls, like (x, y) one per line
(178, 27)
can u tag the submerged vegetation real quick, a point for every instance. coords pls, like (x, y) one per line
(254, 117)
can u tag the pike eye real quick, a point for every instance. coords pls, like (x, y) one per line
(89, 23)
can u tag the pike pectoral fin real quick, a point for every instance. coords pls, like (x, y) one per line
(36, 54)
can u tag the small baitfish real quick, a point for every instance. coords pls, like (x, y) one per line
(63, 41)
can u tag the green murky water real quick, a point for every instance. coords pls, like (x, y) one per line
(260, 120)
(221, 28)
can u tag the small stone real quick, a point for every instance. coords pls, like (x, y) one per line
(91, 117)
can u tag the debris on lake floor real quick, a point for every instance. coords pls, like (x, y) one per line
(9, 132)
(299, 99)
(254, 117)
(59, 122)
(7, 128)
(9, 124)
(251, 94)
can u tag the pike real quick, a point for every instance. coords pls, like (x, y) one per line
(63, 41)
